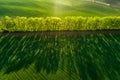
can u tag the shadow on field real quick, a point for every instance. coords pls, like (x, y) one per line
(95, 57)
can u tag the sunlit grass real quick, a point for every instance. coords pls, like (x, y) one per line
(54, 8)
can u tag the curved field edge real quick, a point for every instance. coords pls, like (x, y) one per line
(58, 24)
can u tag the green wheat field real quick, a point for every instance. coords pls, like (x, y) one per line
(86, 56)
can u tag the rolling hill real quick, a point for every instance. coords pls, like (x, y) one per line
(113, 3)
(37, 8)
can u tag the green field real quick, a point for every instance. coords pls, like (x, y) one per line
(57, 15)
(80, 57)
(38, 8)
(70, 55)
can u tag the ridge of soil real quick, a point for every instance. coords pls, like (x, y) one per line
(66, 32)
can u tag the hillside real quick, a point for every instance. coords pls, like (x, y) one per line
(113, 3)
(54, 8)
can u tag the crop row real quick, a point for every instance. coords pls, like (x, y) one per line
(56, 23)
(85, 57)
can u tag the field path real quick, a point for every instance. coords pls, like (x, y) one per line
(40, 33)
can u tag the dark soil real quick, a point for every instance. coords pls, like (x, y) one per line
(59, 33)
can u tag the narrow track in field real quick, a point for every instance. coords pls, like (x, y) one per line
(40, 33)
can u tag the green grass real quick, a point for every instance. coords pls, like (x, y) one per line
(54, 8)
(80, 57)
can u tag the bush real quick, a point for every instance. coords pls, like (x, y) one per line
(56, 23)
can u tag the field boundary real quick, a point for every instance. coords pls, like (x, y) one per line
(40, 33)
